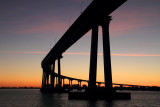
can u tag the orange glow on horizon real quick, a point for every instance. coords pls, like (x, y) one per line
(22, 77)
(22, 83)
(68, 53)
(25, 84)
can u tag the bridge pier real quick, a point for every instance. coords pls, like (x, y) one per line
(47, 78)
(79, 83)
(56, 81)
(52, 74)
(71, 83)
(106, 54)
(63, 81)
(93, 59)
(43, 79)
(59, 72)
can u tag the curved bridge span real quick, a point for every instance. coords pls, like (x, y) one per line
(79, 82)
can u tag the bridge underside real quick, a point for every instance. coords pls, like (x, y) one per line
(94, 16)
(96, 12)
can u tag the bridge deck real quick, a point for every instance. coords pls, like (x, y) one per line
(82, 80)
(100, 8)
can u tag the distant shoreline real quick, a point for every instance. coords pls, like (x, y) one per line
(117, 88)
(19, 87)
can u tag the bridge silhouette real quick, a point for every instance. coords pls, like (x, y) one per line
(79, 83)
(95, 15)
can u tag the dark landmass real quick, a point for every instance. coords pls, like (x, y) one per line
(140, 88)
(19, 87)
(66, 86)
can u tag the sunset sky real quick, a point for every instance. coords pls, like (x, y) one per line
(30, 28)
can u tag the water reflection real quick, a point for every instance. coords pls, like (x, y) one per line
(138, 99)
(53, 100)
(61, 100)
(34, 98)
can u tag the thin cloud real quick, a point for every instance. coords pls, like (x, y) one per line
(67, 53)
(30, 52)
(128, 20)
(100, 54)
(51, 26)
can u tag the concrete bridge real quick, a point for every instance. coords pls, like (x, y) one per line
(68, 85)
(95, 15)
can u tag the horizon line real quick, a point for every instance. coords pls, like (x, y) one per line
(68, 53)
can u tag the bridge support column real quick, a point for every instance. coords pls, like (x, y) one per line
(59, 72)
(63, 82)
(56, 81)
(47, 77)
(52, 75)
(79, 83)
(43, 79)
(106, 55)
(71, 83)
(93, 59)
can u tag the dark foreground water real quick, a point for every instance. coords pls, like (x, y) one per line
(33, 98)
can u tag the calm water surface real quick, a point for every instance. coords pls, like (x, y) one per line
(33, 98)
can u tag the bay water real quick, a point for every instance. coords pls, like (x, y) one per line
(34, 98)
